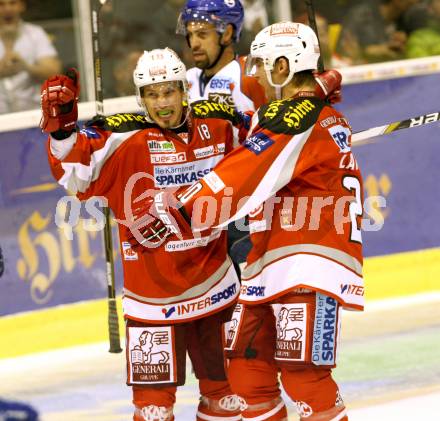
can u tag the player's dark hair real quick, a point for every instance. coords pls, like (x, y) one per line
(304, 77)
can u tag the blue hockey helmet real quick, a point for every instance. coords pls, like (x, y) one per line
(218, 12)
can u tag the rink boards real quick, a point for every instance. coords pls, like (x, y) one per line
(42, 269)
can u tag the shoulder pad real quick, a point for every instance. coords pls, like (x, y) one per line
(193, 71)
(124, 122)
(211, 109)
(290, 116)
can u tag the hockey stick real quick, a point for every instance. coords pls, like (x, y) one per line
(312, 23)
(113, 324)
(364, 136)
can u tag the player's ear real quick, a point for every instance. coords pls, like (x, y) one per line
(282, 66)
(227, 36)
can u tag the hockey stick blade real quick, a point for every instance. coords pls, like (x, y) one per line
(366, 136)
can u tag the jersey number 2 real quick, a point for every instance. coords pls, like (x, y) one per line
(355, 207)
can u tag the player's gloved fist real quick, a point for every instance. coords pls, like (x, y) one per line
(155, 217)
(328, 86)
(59, 102)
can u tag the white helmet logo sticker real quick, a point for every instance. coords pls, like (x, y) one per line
(158, 71)
(284, 28)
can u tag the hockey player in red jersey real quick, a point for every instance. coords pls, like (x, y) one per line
(297, 179)
(177, 297)
(211, 28)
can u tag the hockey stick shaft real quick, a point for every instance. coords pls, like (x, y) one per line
(365, 136)
(312, 23)
(97, 68)
(113, 323)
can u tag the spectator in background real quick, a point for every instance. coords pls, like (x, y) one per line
(27, 57)
(164, 25)
(371, 31)
(414, 17)
(148, 24)
(425, 41)
(123, 73)
(334, 10)
(329, 57)
(255, 17)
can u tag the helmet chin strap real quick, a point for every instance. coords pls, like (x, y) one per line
(219, 55)
(279, 87)
(217, 59)
(147, 115)
(186, 109)
(187, 112)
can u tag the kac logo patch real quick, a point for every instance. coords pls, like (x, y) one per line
(258, 143)
(128, 252)
(90, 132)
(340, 135)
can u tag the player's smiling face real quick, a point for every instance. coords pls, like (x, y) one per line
(204, 42)
(164, 102)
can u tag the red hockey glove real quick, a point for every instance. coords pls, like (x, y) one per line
(328, 86)
(59, 102)
(156, 217)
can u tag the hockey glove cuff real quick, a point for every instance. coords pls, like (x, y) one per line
(328, 86)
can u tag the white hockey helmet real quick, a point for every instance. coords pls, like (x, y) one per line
(296, 42)
(158, 66)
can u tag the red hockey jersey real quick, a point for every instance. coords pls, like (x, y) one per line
(184, 279)
(296, 177)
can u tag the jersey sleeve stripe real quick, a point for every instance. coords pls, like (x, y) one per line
(190, 293)
(188, 309)
(336, 255)
(77, 177)
(305, 271)
(277, 176)
(60, 149)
